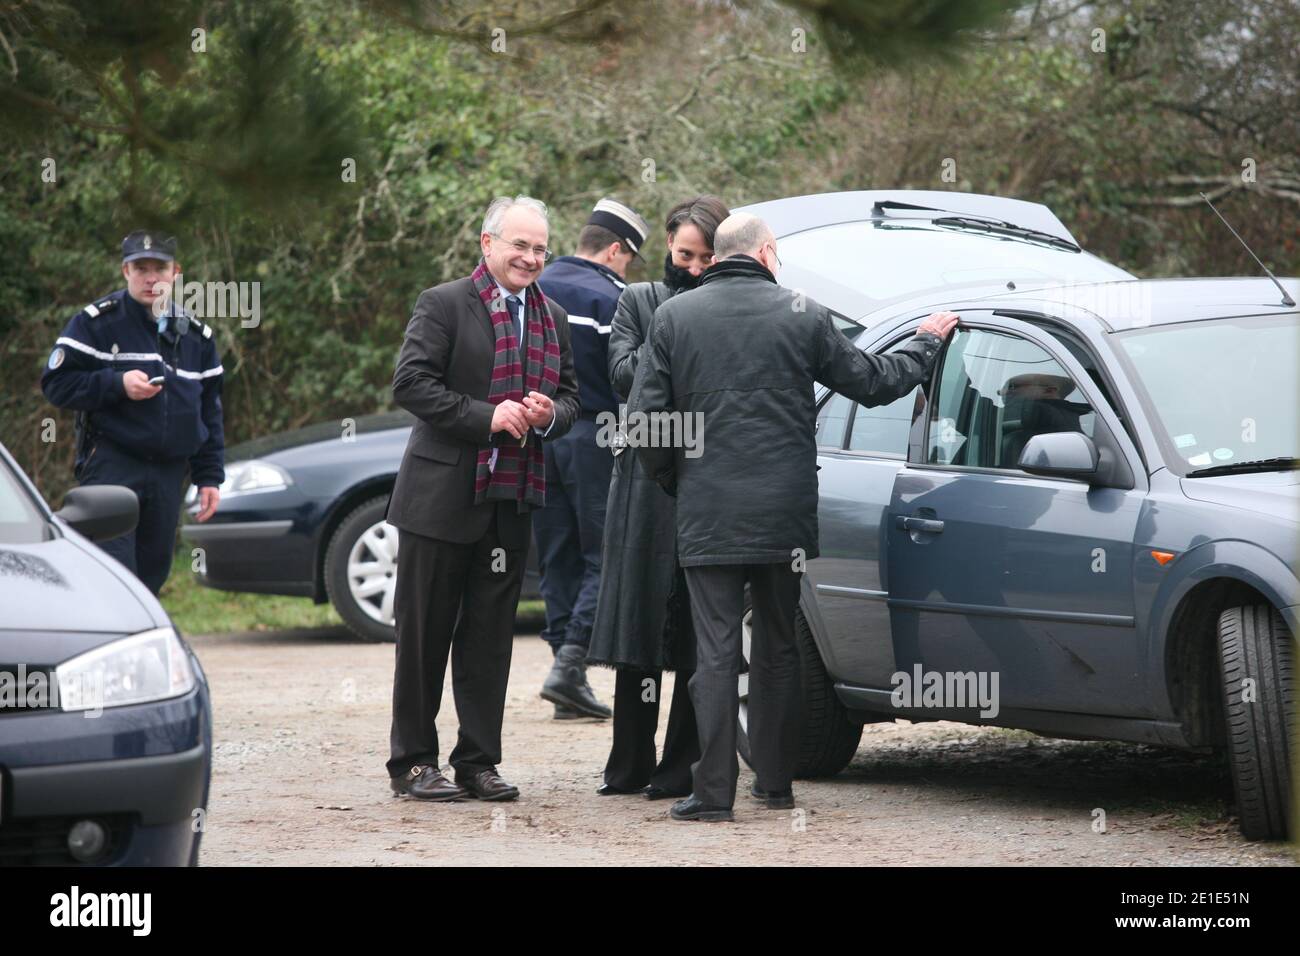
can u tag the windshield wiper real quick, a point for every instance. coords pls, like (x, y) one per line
(1246, 467)
(1006, 229)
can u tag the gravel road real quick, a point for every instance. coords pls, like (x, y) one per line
(301, 735)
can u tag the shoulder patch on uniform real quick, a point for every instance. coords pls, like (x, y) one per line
(102, 305)
(56, 358)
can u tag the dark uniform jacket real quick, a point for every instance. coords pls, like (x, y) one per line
(744, 353)
(589, 294)
(442, 377)
(116, 334)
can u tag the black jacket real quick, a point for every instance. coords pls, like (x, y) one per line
(643, 611)
(442, 377)
(116, 334)
(742, 353)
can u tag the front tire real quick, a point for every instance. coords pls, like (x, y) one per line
(1255, 646)
(361, 571)
(829, 739)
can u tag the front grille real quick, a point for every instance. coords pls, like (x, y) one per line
(43, 841)
(23, 692)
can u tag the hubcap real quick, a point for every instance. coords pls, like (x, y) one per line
(372, 571)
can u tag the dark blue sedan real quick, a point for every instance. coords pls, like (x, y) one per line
(302, 513)
(105, 723)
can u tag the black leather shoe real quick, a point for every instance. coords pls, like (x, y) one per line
(773, 799)
(692, 809)
(659, 793)
(565, 712)
(609, 790)
(486, 785)
(426, 782)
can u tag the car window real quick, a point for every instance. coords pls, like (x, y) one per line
(1083, 355)
(831, 422)
(996, 391)
(20, 522)
(882, 430)
(850, 328)
(1223, 391)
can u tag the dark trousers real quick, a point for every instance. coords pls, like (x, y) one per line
(717, 608)
(453, 599)
(569, 530)
(631, 764)
(147, 550)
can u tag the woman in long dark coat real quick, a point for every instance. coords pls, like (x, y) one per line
(643, 615)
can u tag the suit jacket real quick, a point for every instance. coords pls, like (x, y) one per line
(442, 377)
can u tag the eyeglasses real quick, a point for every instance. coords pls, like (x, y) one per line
(523, 248)
(775, 256)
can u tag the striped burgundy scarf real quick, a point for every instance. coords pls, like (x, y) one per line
(520, 470)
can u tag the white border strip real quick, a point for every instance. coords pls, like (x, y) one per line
(135, 357)
(584, 320)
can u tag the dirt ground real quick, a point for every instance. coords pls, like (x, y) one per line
(301, 735)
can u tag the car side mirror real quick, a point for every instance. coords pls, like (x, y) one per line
(1061, 455)
(101, 512)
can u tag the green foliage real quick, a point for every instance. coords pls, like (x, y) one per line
(678, 97)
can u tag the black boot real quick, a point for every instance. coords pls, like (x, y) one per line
(567, 683)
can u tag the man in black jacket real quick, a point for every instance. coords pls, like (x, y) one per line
(739, 356)
(487, 370)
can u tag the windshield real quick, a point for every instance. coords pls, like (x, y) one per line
(850, 267)
(1222, 391)
(20, 522)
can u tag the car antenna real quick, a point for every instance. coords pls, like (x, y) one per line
(1286, 298)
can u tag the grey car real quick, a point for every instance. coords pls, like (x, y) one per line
(1091, 510)
(302, 512)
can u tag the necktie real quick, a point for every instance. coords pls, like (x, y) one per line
(516, 307)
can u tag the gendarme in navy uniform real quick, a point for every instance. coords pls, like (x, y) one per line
(133, 433)
(570, 528)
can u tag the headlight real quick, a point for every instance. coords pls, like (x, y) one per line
(246, 478)
(151, 665)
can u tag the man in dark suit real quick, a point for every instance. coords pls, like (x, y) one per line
(487, 369)
(740, 356)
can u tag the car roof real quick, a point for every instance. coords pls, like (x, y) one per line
(1120, 306)
(799, 213)
(1144, 302)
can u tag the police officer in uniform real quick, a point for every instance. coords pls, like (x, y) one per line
(144, 377)
(570, 528)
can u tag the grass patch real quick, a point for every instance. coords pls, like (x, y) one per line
(199, 610)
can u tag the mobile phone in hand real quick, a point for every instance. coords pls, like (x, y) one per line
(157, 379)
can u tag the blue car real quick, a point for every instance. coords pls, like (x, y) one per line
(302, 514)
(1091, 512)
(105, 721)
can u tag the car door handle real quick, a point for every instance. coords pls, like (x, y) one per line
(928, 525)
